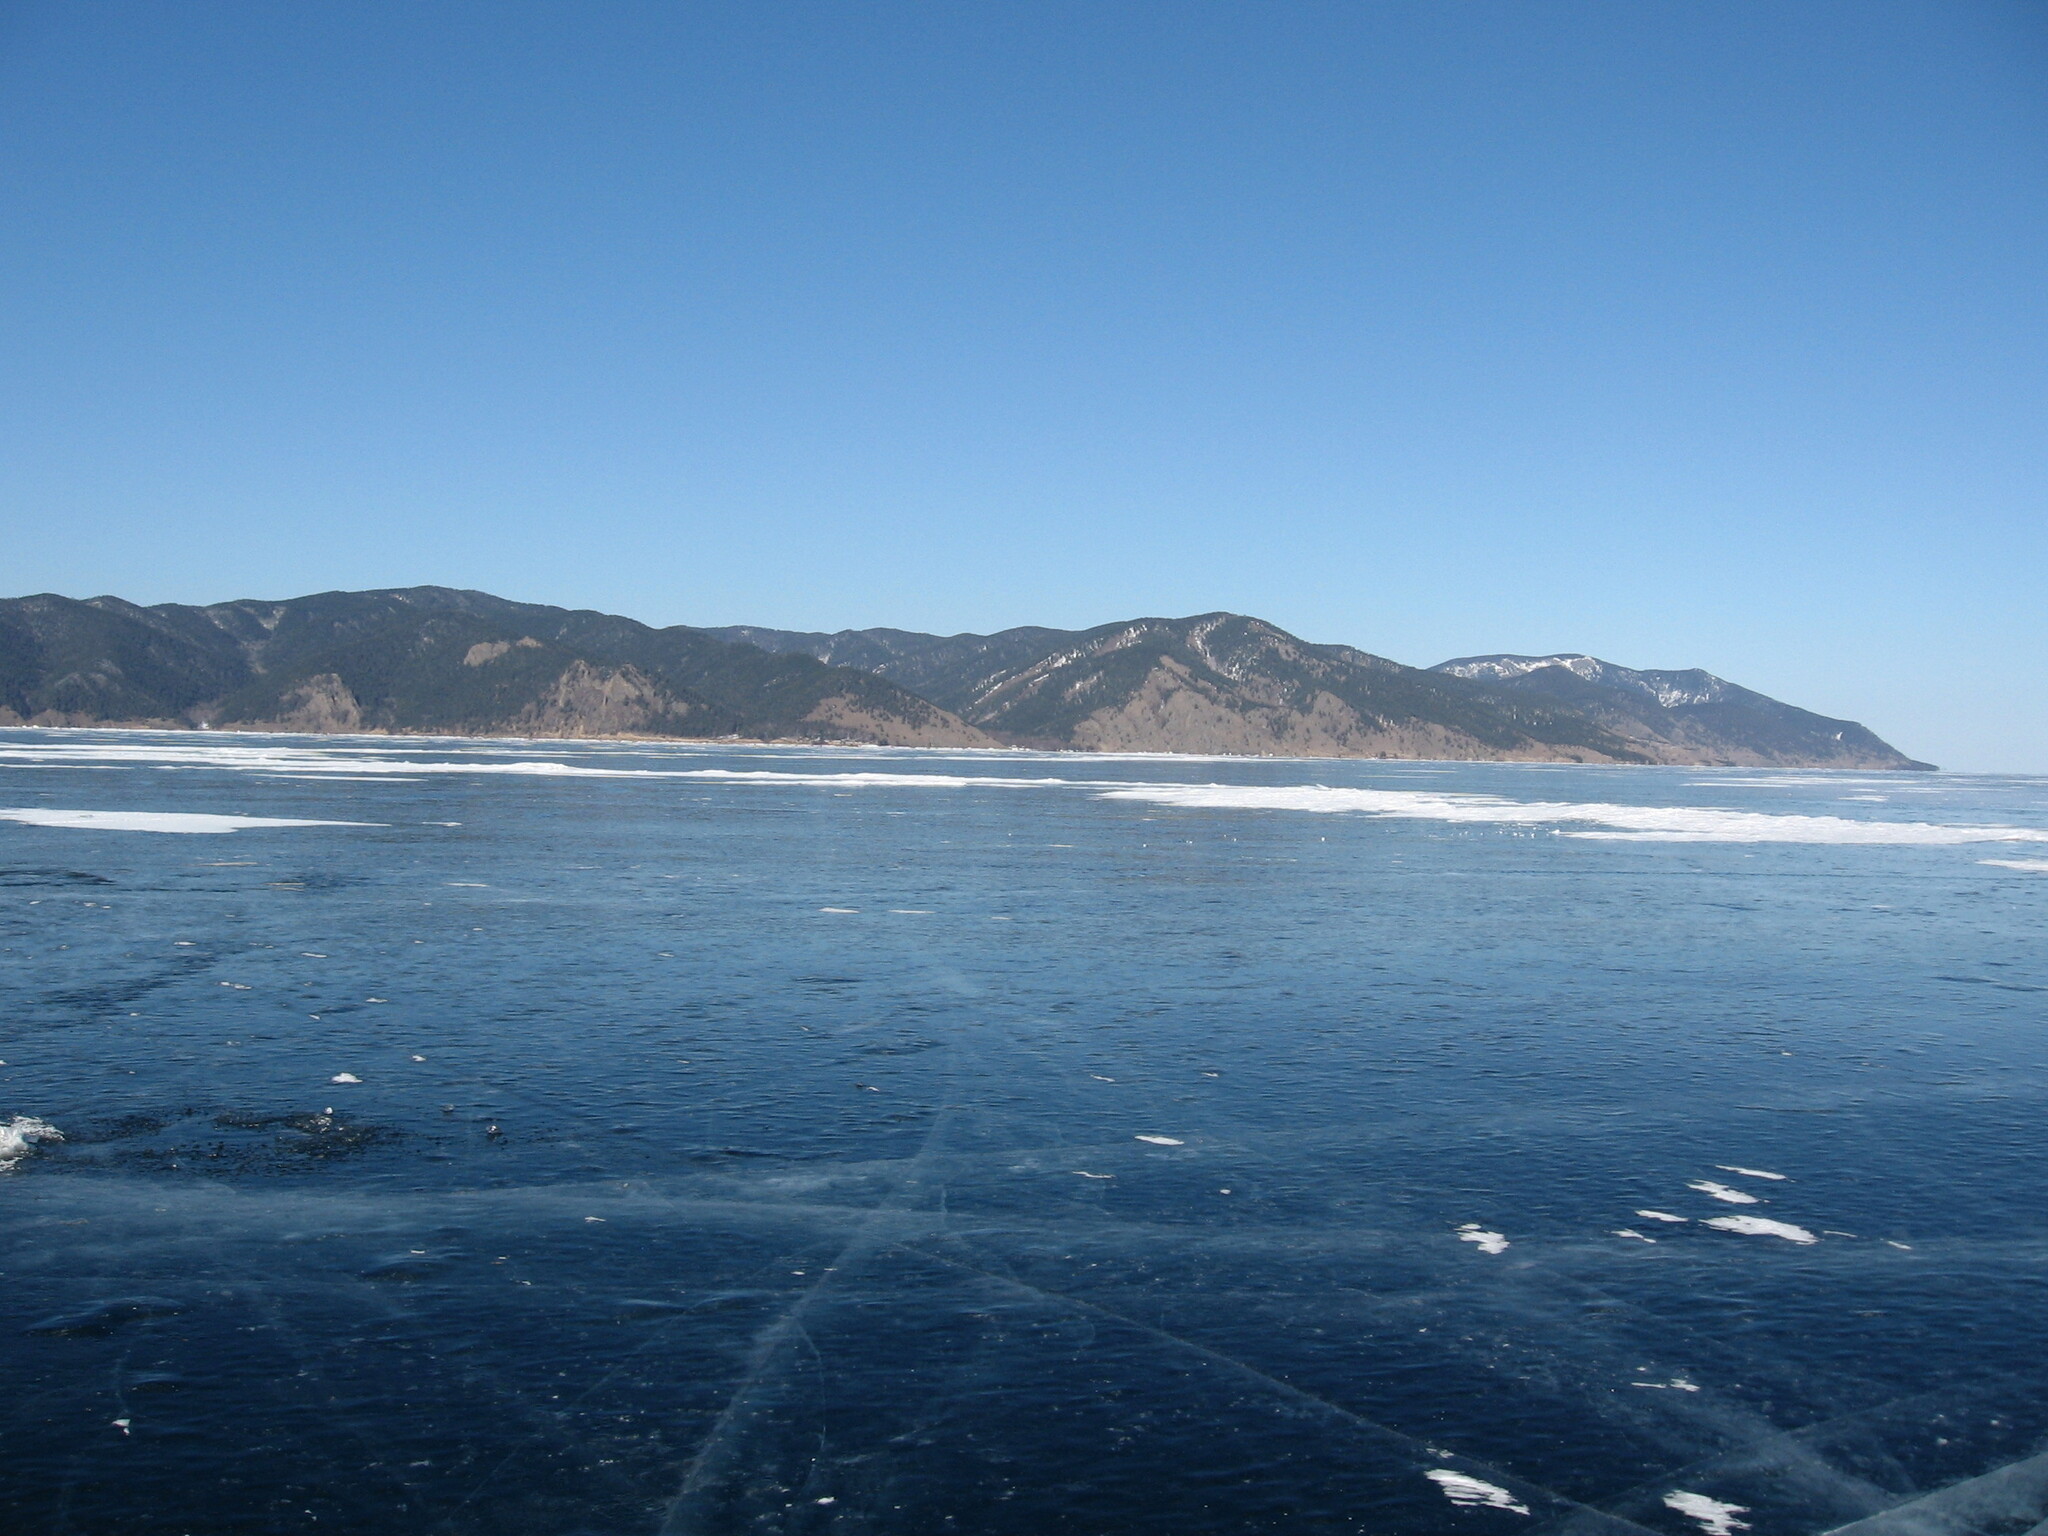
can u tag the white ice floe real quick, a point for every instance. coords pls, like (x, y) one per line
(1162, 1141)
(2033, 866)
(1593, 819)
(1747, 1173)
(1662, 1216)
(1760, 1226)
(1715, 1517)
(19, 1136)
(1467, 1491)
(158, 821)
(1723, 1192)
(1483, 1240)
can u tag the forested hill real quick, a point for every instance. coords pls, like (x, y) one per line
(1221, 682)
(445, 661)
(431, 659)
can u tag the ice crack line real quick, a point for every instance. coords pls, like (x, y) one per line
(777, 1347)
(1321, 1405)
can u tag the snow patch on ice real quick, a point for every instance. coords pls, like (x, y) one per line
(19, 1136)
(1715, 1517)
(158, 821)
(1723, 1192)
(361, 759)
(1638, 823)
(1469, 1492)
(364, 761)
(1760, 1226)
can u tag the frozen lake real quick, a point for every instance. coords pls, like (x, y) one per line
(569, 1138)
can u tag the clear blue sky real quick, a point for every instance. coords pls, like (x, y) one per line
(1684, 334)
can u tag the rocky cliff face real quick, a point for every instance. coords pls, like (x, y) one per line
(321, 703)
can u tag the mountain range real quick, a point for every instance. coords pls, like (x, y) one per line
(1225, 683)
(443, 661)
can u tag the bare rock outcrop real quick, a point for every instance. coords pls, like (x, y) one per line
(600, 701)
(322, 703)
(844, 719)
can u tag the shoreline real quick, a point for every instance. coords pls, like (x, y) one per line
(786, 742)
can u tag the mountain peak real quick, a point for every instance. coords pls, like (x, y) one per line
(1687, 710)
(1690, 686)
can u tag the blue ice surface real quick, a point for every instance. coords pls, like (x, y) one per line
(669, 1200)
